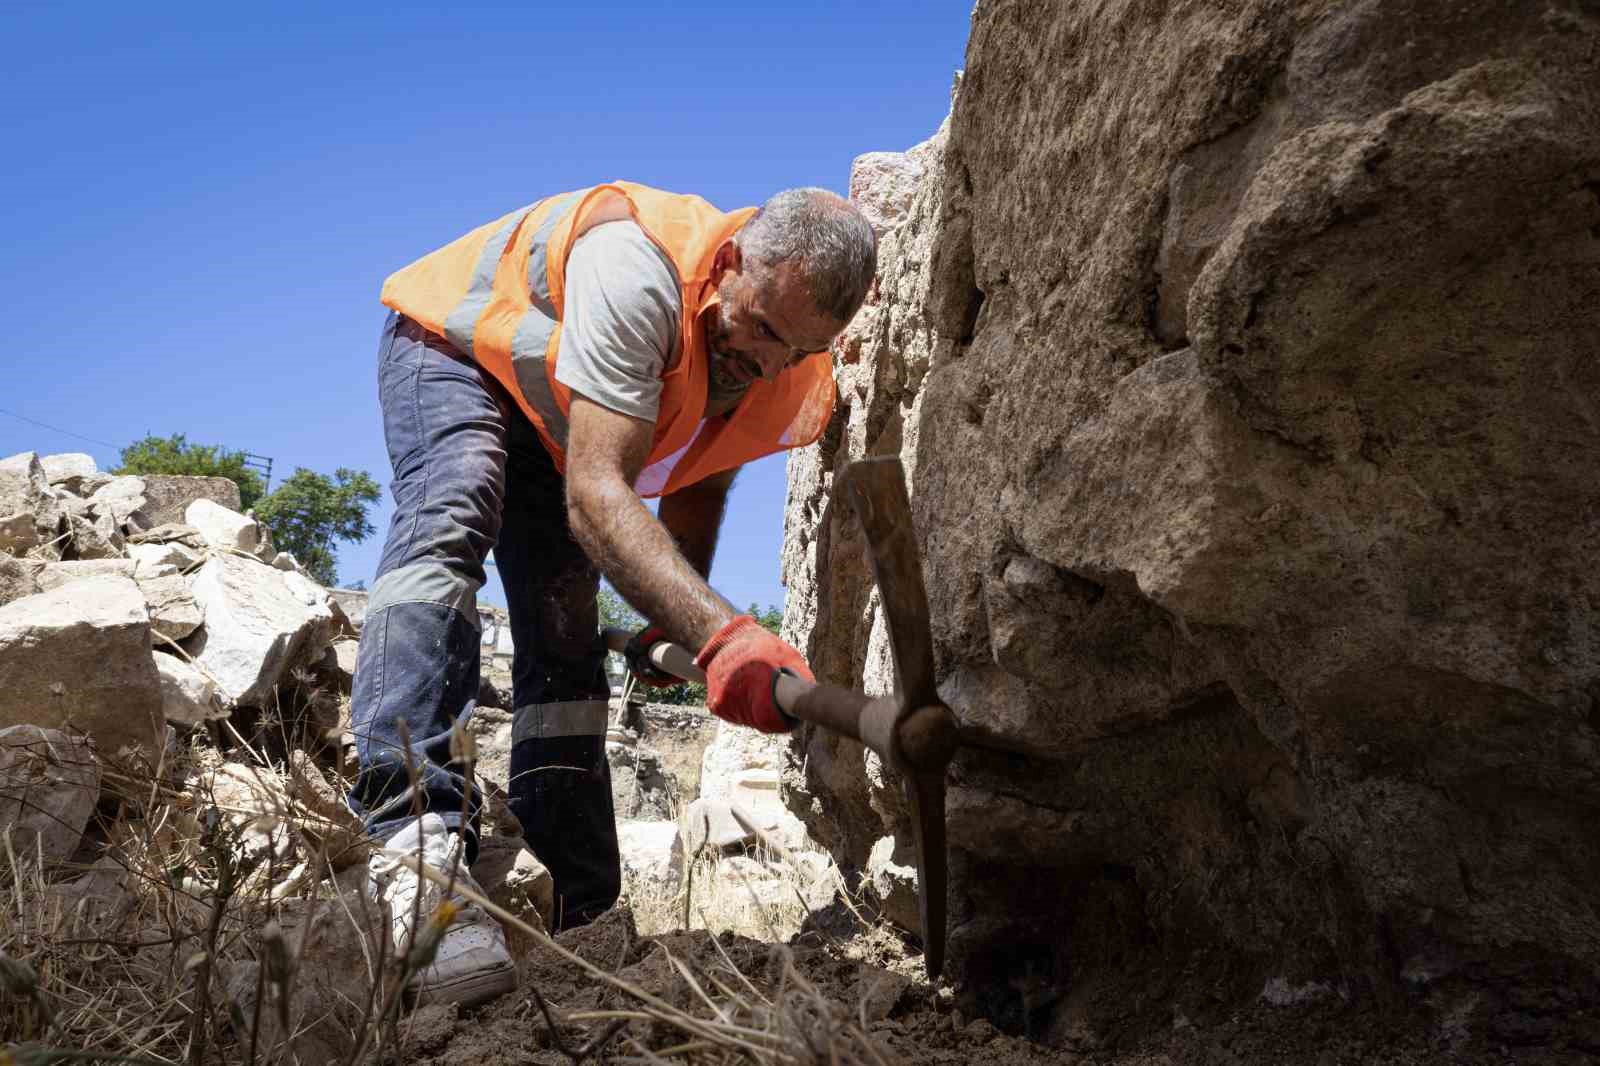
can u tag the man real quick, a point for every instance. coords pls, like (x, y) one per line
(539, 377)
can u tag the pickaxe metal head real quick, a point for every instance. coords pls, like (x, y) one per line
(915, 734)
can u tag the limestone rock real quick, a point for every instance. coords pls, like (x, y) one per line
(334, 941)
(31, 517)
(54, 575)
(353, 604)
(256, 800)
(711, 823)
(188, 697)
(735, 750)
(174, 614)
(157, 557)
(78, 657)
(19, 534)
(69, 470)
(882, 185)
(257, 625)
(891, 874)
(514, 878)
(122, 500)
(222, 528)
(99, 538)
(327, 820)
(49, 784)
(18, 578)
(639, 788)
(648, 851)
(678, 736)
(1244, 388)
(170, 533)
(168, 496)
(338, 665)
(491, 730)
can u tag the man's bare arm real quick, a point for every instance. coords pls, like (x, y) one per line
(693, 516)
(605, 452)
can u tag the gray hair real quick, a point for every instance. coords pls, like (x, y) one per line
(823, 235)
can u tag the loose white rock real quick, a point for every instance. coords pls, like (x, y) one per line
(55, 575)
(892, 876)
(256, 625)
(188, 697)
(70, 467)
(78, 658)
(152, 557)
(122, 500)
(223, 529)
(647, 850)
(174, 614)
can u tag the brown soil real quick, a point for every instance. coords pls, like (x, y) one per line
(872, 979)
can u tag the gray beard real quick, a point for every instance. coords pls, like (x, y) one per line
(722, 398)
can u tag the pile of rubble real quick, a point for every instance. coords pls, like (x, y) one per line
(139, 613)
(151, 634)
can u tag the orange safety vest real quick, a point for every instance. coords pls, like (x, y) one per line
(497, 295)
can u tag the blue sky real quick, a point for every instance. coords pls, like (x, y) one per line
(200, 201)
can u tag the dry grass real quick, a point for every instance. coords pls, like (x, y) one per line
(133, 961)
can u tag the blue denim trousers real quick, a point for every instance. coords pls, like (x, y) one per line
(470, 474)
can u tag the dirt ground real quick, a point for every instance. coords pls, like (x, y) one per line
(855, 999)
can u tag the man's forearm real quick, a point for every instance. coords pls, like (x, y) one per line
(641, 560)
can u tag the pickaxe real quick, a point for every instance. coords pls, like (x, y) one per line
(910, 729)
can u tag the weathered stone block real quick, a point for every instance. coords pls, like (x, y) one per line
(49, 784)
(168, 496)
(257, 626)
(223, 529)
(188, 697)
(78, 658)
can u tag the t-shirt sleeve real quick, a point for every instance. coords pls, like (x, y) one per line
(619, 324)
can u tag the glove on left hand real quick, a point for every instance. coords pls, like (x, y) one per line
(637, 655)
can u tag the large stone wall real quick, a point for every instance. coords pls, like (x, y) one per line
(1243, 360)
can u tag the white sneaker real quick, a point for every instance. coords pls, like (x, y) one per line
(472, 963)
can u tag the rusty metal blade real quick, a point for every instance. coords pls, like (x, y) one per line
(925, 795)
(876, 488)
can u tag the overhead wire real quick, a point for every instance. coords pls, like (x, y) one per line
(58, 429)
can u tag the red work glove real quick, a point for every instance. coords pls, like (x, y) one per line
(637, 655)
(741, 664)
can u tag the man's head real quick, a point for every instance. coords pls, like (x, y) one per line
(789, 282)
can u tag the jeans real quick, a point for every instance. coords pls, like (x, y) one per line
(470, 474)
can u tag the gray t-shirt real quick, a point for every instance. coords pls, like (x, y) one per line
(620, 322)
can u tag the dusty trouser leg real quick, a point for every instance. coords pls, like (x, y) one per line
(560, 781)
(444, 421)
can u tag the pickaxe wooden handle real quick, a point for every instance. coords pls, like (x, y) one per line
(911, 730)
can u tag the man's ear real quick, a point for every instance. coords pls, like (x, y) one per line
(728, 258)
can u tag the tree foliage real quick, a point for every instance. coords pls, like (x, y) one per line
(175, 455)
(310, 512)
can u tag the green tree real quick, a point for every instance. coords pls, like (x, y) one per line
(309, 512)
(615, 612)
(771, 618)
(175, 455)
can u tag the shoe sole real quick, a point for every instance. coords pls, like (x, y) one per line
(470, 989)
